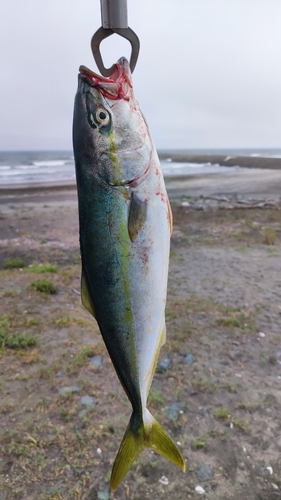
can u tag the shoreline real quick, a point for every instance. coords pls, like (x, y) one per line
(251, 162)
(263, 178)
(225, 161)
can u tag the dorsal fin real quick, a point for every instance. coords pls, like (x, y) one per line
(137, 216)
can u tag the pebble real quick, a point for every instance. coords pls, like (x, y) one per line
(261, 334)
(274, 486)
(104, 491)
(82, 413)
(59, 374)
(270, 470)
(164, 480)
(201, 412)
(97, 361)
(200, 490)
(204, 472)
(67, 390)
(164, 365)
(234, 355)
(188, 360)
(79, 471)
(87, 401)
(173, 411)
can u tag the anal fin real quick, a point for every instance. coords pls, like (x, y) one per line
(86, 295)
(170, 217)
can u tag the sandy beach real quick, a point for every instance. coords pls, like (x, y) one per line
(62, 409)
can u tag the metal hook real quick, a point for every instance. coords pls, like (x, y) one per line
(103, 33)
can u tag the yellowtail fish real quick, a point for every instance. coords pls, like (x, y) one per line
(125, 225)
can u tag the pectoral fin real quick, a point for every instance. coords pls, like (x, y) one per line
(86, 295)
(137, 216)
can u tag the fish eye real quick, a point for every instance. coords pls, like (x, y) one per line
(102, 116)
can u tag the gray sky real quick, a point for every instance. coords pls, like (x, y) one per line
(208, 75)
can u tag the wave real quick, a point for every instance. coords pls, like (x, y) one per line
(50, 163)
(265, 155)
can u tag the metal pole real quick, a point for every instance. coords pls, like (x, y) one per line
(114, 14)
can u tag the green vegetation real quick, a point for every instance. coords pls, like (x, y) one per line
(269, 236)
(44, 286)
(17, 340)
(248, 406)
(199, 443)
(15, 263)
(203, 384)
(6, 406)
(68, 320)
(41, 268)
(33, 322)
(222, 413)
(14, 340)
(241, 424)
(80, 359)
(272, 360)
(228, 321)
(9, 293)
(155, 397)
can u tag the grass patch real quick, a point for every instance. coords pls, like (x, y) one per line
(68, 320)
(15, 263)
(14, 340)
(222, 413)
(44, 286)
(241, 424)
(17, 341)
(6, 406)
(199, 443)
(228, 321)
(33, 322)
(269, 236)
(203, 384)
(155, 397)
(272, 360)
(41, 268)
(9, 293)
(80, 359)
(248, 406)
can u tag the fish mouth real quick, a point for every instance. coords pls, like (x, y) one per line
(117, 86)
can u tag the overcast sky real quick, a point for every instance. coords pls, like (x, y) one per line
(208, 75)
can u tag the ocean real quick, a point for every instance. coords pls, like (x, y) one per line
(27, 167)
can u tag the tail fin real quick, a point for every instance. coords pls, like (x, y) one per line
(140, 434)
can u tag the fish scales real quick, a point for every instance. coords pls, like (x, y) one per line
(125, 223)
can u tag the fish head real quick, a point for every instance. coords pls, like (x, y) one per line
(109, 129)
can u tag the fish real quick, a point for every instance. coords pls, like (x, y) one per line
(125, 223)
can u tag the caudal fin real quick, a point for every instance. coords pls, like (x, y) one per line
(140, 434)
